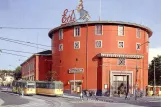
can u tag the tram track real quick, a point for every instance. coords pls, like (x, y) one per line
(50, 100)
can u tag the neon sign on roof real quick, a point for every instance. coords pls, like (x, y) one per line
(70, 17)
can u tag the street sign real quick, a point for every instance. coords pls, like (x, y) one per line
(76, 70)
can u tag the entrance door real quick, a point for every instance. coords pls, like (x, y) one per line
(120, 84)
(77, 88)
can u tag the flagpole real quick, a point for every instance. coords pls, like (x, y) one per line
(100, 10)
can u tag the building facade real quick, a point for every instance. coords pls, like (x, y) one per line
(37, 66)
(101, 55)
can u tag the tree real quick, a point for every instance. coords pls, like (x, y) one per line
(18, 69)
(157, 61)
(17, 73)
(51, 75)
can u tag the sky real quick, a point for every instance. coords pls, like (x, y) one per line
(48, 13)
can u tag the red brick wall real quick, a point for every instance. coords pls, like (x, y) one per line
(42, 65)
(26, 72)
(45, 65)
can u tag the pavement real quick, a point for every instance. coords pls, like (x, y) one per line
(144, 101)
(10, 99)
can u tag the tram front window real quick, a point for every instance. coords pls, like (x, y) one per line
(31, 86)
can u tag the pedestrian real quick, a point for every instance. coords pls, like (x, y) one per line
(81, 96)
(95, 94)
(87, 94)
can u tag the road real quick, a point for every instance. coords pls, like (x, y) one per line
(10, 99)
(14, 100)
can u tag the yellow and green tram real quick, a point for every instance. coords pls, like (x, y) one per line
(51, 88)
(14, 86)
(25, 87)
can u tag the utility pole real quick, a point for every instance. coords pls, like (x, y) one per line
(154, 79)
(136, 83)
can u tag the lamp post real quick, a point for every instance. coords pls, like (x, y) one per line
(74, 74)
(136, 85)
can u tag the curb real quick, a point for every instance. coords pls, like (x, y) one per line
(103, 100)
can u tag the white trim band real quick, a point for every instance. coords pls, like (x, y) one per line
(102, 55)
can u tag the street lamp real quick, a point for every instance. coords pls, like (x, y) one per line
(74, 74)
(137, 69)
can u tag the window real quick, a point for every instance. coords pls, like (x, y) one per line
(138, 46)
(60, 47)
(138, 33)
(61, 34)
(121, 61)
(98, 29)
(120, 30)
(76, 44)
(76, 31)
(120, 44)
(98, 44)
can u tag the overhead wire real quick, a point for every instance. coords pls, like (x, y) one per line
(24, 41)
(16, 51)
(1, 27)
(13, 54)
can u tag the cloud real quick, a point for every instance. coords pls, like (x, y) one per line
(153, 52)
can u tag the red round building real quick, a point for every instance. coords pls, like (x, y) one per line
(101, 55)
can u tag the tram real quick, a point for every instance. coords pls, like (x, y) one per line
(51, 88)
(150, 90)
(14, 86)
(25, 87)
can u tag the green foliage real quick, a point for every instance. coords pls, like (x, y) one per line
(157, 61)
(17, 73)
(18, 69)
(6, 71)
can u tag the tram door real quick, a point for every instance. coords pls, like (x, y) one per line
(120, 84)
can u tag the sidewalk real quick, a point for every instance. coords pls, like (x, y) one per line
(95, 98)
(1, 102)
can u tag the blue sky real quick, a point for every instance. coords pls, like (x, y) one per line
(48, 13)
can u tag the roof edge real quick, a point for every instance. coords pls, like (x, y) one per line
(101, 22)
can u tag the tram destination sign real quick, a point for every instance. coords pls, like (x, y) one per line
(76, 70)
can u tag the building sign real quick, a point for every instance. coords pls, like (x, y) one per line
(76, 70)
(68, 16)
(71, 81)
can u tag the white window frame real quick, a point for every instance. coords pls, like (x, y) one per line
(60, 34)
(137, 46)
(75, 31)
(62, 47)
(123, 44)
(96, 33)
(119, 30)
(96, 44)
(76, 42)
(138, 33)
(118, 62)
